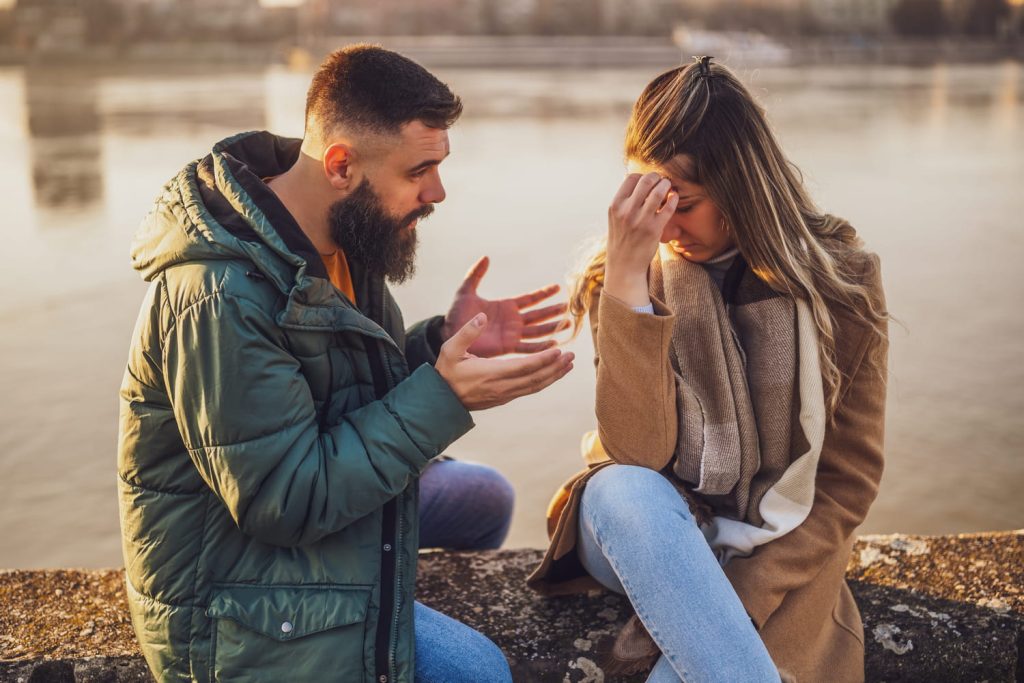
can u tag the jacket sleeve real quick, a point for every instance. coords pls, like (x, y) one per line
(423, 342)
(848, 476)
(635, 402)
(247, 418)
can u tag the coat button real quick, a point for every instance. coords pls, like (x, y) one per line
(387, 547)
(383, 678)
(286, 627)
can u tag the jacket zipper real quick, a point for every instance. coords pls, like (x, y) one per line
(391, 536)
(396, 531)
(393, 645)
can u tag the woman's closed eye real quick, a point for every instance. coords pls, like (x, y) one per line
(685, 209)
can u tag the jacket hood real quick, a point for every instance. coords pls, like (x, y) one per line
(219, 207)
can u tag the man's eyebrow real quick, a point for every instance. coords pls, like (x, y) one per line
(423, 165)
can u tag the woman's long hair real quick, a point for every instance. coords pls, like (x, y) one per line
(699, 123)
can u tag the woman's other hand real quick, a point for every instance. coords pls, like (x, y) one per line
(636, 219)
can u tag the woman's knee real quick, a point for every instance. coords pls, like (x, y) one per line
(627, 494)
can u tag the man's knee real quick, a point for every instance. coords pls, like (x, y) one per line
(465, 506)
(495, 492)
(495, 499)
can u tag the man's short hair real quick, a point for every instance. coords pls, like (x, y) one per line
(365, 88)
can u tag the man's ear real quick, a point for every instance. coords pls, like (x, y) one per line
(339, 159)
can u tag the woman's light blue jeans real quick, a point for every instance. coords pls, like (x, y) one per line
(638, 537)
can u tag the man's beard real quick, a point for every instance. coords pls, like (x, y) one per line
(368, 235)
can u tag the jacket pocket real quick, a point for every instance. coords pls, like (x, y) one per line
(847, 616)
(288, 633)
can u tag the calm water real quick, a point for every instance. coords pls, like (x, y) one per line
(927, 163)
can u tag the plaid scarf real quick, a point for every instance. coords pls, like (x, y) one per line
(750, 401)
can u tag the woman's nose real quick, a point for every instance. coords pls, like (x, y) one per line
(671, 232)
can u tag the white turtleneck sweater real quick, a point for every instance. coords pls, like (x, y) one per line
(716, 267)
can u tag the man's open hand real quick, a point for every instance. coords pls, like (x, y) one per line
(508, 323)
(487, 382)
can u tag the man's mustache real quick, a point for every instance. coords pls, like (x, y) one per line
(421, 212)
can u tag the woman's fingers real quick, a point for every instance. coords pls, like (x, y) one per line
(643, 189)
(626, 188)
(647, 200)
(656, 197)
(665, 213)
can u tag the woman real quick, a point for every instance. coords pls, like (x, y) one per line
(740, 402)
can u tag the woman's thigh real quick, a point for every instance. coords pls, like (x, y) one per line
(639, 505)
(627, 515)
(448, 651)
(635, 527)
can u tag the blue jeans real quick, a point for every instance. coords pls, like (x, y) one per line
(463, 506)
(448, 651)
(638, 537)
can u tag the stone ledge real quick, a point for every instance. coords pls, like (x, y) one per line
(940, 608)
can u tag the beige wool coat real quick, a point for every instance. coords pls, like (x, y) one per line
(794, 587)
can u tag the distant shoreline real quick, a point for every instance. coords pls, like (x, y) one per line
(537, 52)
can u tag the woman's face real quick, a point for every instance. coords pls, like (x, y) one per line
(697, 230)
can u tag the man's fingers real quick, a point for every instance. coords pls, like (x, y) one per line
(545, 377)
(534, 331)
(510, 368)
(538, 295)
(475, 275)
(534, 347)
(542, 314)
(467, 334)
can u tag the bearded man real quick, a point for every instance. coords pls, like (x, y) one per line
(276, 418)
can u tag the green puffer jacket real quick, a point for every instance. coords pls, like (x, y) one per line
(271, 438)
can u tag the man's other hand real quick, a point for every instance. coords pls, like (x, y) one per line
(487, 382)
(509, 324)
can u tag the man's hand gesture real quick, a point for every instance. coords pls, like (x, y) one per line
(508, 323)
(487, 382)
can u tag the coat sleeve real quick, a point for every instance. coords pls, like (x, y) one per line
(637, 420)
(247, 417)
(848, 476)
(423, 342)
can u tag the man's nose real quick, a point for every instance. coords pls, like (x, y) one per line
(433, 193)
